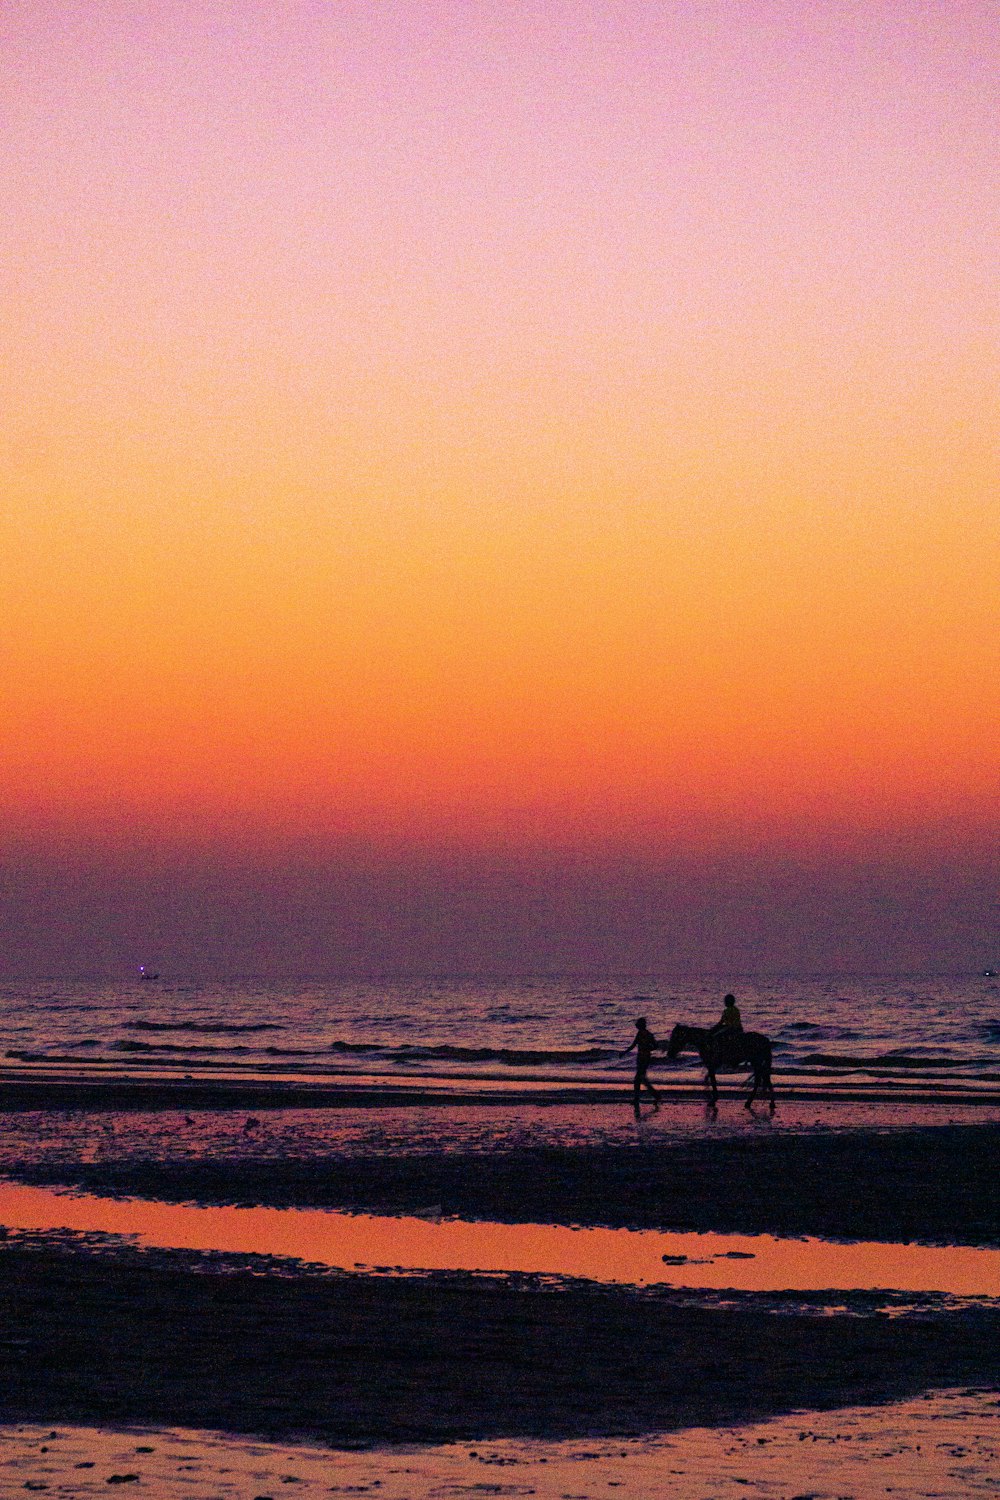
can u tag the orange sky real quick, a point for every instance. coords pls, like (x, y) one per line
(586, 660)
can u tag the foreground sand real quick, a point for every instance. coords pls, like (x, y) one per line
(176, 1338)
(945, 1446)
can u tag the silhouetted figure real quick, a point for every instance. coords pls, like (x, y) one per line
(645, 1044)
(726, 1029)
(731, 1018)
(750, 1048)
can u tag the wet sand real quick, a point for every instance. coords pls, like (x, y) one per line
(945, 1445)
(37, 1081)
(846, 1175)
(174, 1338)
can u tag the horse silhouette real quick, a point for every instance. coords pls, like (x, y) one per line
(734, 1049)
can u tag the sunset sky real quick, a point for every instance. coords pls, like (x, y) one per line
(499, 483)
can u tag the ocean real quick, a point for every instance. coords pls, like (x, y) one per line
(928, 1031)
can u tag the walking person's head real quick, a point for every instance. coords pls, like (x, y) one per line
(640, 1024)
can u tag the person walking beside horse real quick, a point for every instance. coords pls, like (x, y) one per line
(644, 1044)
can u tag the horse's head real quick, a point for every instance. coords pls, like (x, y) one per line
(678, 1037)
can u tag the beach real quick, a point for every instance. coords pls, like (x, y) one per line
(397, 1225)
(179, 1340)
(104, 1330)
(945, 1446)
(879, 1171)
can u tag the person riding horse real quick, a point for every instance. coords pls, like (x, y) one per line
(727, 1045)
(726, 1031)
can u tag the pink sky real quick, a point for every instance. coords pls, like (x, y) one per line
(450, 436)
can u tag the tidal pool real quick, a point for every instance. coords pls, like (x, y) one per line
(369, 1242)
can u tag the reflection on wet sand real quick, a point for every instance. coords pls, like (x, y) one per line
(51, 1080)
(753, 1263)
(946, 1444)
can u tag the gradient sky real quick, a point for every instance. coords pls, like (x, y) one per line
(458, 448)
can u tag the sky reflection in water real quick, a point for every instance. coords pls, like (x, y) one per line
(756, 1263)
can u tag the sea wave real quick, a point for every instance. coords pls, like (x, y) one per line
(513, 1017)
(444, 1052)
(173, 1047)
(884, 1060)
(513, 1056)
(223, 1027)
(803, 1032)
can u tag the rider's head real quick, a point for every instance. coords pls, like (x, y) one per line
(729, 1000)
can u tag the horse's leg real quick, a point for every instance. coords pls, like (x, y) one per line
(707, 1064)
(753, 1092)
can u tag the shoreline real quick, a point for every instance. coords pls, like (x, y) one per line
(116, 1088)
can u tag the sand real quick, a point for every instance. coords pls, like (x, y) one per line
(181, 1339)
(101, 1334)
(944, 1445)
(850, 1176)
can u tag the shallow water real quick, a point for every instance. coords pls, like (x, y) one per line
(397, 1244)
(933, 1032)
(946, 1445)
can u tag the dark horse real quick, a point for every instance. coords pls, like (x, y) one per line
(734, 1049)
